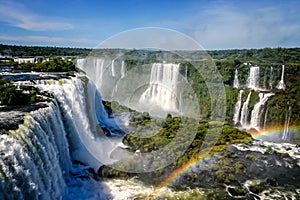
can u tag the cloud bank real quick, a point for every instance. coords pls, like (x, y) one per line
(15, 14)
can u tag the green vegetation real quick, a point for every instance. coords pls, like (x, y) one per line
(55, 65)
(11, 95)
(257, 188)
(207, 135)
(25, 51)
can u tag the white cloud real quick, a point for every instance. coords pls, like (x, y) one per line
(53, 40)
(15, 14)
(226, 26)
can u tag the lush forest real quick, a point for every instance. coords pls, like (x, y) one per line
(256, 56)
(56, 64)
(29, 51)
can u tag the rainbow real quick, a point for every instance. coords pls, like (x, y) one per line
(179, 171)
(275, 130)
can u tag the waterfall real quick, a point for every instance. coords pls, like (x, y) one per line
(244, 113)
(113, 71)
(123, 69)
(253, 79)
(85, 118)
(281, 85)
(288, 112)
(186, 72)
(257, 114)
(266, 116)
(94, 67)
(237, 108)
(271, 78)
(236, 83)
(162, 88)
(265, 80)
(35, 158)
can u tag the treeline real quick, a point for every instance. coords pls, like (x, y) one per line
(256, 56)
(29, 51)
(55, 65)
(259, 56)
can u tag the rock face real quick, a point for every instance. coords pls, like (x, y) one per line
(272, 165)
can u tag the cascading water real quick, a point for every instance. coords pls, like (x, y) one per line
(271, 78)
(237, 108)
(288, 112)
(253, 79)
(236, 83)
(257, 114)
(35, 158)
(186, 73)
(281, 85)
(113, 71)
(95, 67)
(244, 112)
(162, 89)
(265, 80)
(84, 113)
(123, 69)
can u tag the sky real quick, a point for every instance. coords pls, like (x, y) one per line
(214, 24)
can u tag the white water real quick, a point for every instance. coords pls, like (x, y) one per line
(162, 88)
(285, 135)
(95, 67)
(244, 113)
(271, 78)
(257, 114)
(123, 69)
(84, 112)
(236, 83)
(35, 158)
(186, 73)
(281, 85)
(113, 71)
(263, 146)
(253, 78)
(237, 108)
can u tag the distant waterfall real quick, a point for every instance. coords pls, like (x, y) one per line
(162, 89)
(113, 71)
(281, 85)
(237, 108)
(253, 79)
(123, 69)
(236, 83)
(35, 158)
(95, 67)
(186, 73)
(285, 135)
(271, 78)
(257, 114)
(104, 73)
(244, 113)
(265, 80)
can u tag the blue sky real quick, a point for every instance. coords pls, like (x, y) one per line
(222, 24)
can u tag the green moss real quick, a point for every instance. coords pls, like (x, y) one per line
(239, 167)
(257, 188)
(230, 178)
(250, 157)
